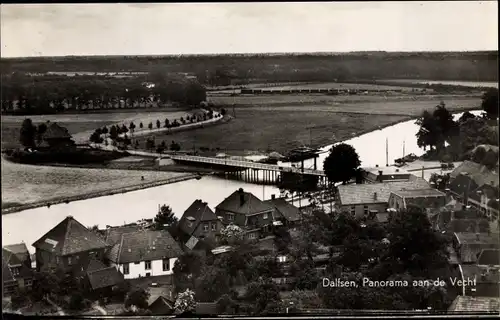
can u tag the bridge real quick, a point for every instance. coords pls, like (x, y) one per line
(240, 164)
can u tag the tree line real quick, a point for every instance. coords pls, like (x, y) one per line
(24, 94)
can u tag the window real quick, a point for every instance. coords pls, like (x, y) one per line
(265, 216)
(205, 227)
(251, 236)
(148, 274)
(15, 271)
(57, 260)
(126, 269)
(29, 282)
(190, 224)
(166, 264)
(70, 262)
(353, 210)
(214, 226)
(230, 217)
(365, 209)
(147, 265)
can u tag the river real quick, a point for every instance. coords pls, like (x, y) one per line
(30, 225)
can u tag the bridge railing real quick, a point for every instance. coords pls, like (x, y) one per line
(245, 164)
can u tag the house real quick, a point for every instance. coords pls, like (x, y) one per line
(362, 199)
(385, 174)
(57, 136)
(100, 279)
(463, 304)
(161, 305)
(423, 198)
(114, 234)
(285, 212)
(145, 253)
(469, 245)
(200, 221)
(485, 199)
(246, 211)
(16, 268)
(70, 246)
(487, 280)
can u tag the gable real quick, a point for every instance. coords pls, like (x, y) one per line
(240, 202)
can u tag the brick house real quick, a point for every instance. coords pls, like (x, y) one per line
(285, 212)
(200, 221)
(246, 211)
(70, 246)
(16, 268)
(144, 253)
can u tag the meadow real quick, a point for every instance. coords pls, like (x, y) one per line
(24, 184)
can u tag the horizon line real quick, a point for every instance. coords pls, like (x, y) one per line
(252, 53)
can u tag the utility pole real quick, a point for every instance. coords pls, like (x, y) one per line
(386, 152)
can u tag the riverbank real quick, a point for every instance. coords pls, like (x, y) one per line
(96, 194)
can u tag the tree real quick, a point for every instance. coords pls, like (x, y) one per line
(223, 111)
(341, 163)
(45, 284)
(141, 125)
(186, 269)
(185, 302)
(167, 123)
(158, 124)
(27, 134)
(132, 126)
(212, 284)
(264, 295)
(150, 144)
(150, 126)
(138, 298)
(489, 103)
(231, 234)
(124, 128)
(427, 134)
(113, 132)
(165, 218)
(466, 116)
(105, 130)
(175, 146)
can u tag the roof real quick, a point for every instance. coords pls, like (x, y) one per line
(18, 250)
(94, 265)
(478, 172)
(485, 190)
(161, 306)
(287, 210)
(390, 170)
(473, 244)
(105, 277)
(353, 194)
(6, 273)
(144, 245)
(489, 257)
(475, 304)
(55, 131)
(419, 193)
(476, 238)
(481, 274)
(250, 204)
(197, 212)
(463, 184)
(114, 234)
(69, 237)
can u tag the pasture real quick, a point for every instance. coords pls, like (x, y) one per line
(30, 184)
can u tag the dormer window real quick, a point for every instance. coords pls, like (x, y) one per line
(265, 216)
(205, 227)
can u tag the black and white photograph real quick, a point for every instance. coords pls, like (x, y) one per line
(252, 159)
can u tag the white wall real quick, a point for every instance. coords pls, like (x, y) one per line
(138, 270)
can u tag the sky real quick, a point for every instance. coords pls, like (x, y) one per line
(29, 30)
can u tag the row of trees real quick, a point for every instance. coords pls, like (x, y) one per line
(31, 135)
(50, 94)
(439, 127)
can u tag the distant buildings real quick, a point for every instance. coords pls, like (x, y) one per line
(424, 198)
(57, 136)
(200, 221)
(385, 174)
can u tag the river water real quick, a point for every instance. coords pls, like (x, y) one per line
(30, 225)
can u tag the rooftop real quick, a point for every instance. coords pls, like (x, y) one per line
(490, 257)
(478, 172)
(390, 170)
(419, 193)
(104, 277)
(55, 131)
(287, 210)
(244, 203)
(476, 238)
(481, 274)
(353, 194)
(143, 246)
(197, 212)
(69, 237)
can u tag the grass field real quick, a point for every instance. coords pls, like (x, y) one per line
(29, 184)
(82, 125)
(267, 126)
(307, 100)
(337, 85)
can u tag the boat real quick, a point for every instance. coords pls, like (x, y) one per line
(408, 158)
(302, 153)
(268, 161)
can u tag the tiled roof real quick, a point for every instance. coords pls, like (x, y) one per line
(472, 245)
(114, 234)
(485, 190)
(287, 210)
(6, 273)
(69, 237)
(144, 245)
(20, 250)
(105, 277)
(353, 194)
(419, 193)
(475, 304)
(463, 185)
(489, 257)
(250, 204)
(55, 131)
(198, 211)
(94, 265)
(161, 306)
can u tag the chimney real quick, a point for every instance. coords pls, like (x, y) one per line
(242, 197)
(380, 172)
(374, 196)
(273, 197)
(477, 236)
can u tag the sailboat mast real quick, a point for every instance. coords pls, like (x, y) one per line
(386, 152)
